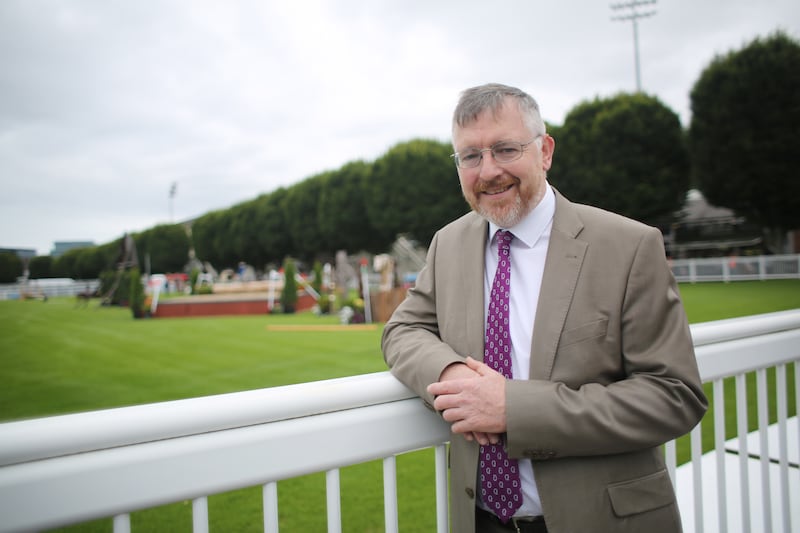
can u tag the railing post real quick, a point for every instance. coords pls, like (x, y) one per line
(334, 502)
(783, 446)
(442, 520)
(742, 431)
(200, 515)
(719, 451)
(390, 494)
(696, 438)
(122, 523)
(270, 504)
(763, 422)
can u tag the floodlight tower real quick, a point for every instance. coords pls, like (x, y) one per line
(634, 17)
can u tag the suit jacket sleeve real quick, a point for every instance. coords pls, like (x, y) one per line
(411, 343)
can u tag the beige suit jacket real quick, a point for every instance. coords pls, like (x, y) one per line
(613, 371)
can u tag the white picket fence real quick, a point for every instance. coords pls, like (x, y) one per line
(738, 268)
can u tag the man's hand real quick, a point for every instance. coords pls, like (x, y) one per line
(472, 397)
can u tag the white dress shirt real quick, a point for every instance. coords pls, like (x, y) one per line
(528, 253)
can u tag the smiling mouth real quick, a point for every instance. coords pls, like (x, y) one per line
(492, 191)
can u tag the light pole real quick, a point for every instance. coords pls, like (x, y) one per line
(634, 17)
(172, 190)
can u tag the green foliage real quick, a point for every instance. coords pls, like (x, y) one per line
(244, 228)
(316, 283)
(324, 302)
(193, 275)
(414, 189)
(289, 291)
(40, 267)
(136, 293)
(342, 211)
(203, 230)
(85, 263)
(625, 154)
(272, 239)
(743, 135)
(10, 267)
(301, 213)
(167, 246)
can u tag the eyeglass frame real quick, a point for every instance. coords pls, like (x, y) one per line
(522, 150)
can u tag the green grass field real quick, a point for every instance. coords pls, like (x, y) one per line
(59, 358)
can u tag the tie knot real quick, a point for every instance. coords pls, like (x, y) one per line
(504, 239)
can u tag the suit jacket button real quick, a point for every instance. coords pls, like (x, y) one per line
(470, 493)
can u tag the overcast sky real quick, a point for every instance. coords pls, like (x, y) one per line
(105, 104)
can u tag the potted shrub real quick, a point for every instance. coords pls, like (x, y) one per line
(136, 294)
(289, 292)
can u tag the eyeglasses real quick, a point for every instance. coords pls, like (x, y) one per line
(502, 152)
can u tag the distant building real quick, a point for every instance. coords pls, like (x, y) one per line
(61, 247)
(22, 253)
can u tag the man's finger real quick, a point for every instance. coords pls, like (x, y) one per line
(445, 401)
(445, 387)
(478, 366)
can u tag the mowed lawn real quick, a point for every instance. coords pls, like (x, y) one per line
(58, 357)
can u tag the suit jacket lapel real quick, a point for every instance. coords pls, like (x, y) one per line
(474, 248)
(563, 264)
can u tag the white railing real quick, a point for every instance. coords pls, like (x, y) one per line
(737, 268)
(68, 469)
(47, 287)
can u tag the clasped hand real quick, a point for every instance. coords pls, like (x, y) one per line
(472, 397)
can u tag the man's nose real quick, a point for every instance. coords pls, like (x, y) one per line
(488, 166)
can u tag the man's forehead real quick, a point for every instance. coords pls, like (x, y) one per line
(490, 121)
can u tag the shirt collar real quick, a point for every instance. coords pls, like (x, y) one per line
(531, 228)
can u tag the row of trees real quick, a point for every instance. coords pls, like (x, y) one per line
(627, 153)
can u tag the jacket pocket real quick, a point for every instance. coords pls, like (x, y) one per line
(642, 494)
(598, 328)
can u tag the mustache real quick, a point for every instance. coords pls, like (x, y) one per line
(495, 184)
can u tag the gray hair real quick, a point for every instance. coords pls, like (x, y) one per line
(491, 97)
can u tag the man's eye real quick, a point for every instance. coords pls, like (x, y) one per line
(470, 156)
(506, 150)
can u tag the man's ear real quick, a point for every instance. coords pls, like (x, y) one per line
(548, 148)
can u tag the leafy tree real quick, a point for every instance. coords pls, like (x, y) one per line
(301, 211)
(625, 154)
(212, 239)
(743, 135)
(64, 265)
(342, 213)
(414, 189)
(272, 234)
(10, 267)
(167, 245)
(89, 262)
(40, 267)
(244, 230)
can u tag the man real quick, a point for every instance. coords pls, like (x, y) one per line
(560, 404)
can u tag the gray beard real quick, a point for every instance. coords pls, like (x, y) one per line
(509, 218)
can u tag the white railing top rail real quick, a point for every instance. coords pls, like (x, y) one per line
(72, 464)
(42, 438)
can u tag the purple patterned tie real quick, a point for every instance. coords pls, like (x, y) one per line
(500, 485)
